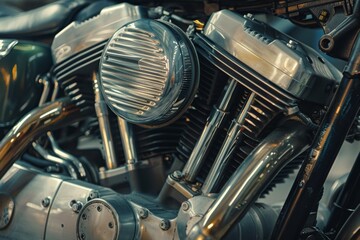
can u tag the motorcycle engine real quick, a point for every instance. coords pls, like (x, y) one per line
(165, 85)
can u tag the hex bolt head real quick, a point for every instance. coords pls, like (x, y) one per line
(165, 224)
(292, 44)
(45, 202)
(143, 213)
(177, 175)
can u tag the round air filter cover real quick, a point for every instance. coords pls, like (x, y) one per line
(149, 72)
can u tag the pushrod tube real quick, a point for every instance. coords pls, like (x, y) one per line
(233, 137)
(128, 142)
(251, 178)
(326, 145)
(37, 122)
(215, 121)
(104, 126)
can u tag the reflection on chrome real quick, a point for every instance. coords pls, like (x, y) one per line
(32, 125)
(251, 178)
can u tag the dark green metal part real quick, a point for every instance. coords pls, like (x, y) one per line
(21, 63)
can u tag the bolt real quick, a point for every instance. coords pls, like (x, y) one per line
(292, 44)
(167, 158)
(324, 16)
(84, 216)
(301, 184)
(185, 206)
(196, 187)
(45, 202)
(165, 224)
(177, 175)
(76, 207)
(92, 195)
(249, 16)
(143, 213)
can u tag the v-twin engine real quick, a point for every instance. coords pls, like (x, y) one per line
(182, 130)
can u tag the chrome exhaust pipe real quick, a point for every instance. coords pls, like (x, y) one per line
(45, 118)
(251, 178)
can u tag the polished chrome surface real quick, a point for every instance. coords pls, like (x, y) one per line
(111, 177)
(5, 46)
(42, 119)
(256, 224)
(63, 156)
(28, 189)
(149, 72)
(67, 156)
(191, 212)
(233, 137)
(104, 126)
(110, 217)
(216, 118)
(62, 219)
(150, 224)
(292, 66)
(175, 189)
(79, 36)
(128, 142)
(251, 178)
(46, 90)
(55, 159)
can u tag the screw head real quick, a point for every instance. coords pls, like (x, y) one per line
(45, 202)
(185, 206)
(92, 195)
(177, 175)
(143, 213)
(165, 224)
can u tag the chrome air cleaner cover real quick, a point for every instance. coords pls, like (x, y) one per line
(149, 72)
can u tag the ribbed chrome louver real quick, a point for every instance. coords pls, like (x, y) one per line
(148, 72)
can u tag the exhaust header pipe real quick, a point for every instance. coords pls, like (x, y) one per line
(45, 118)
(251, 178)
